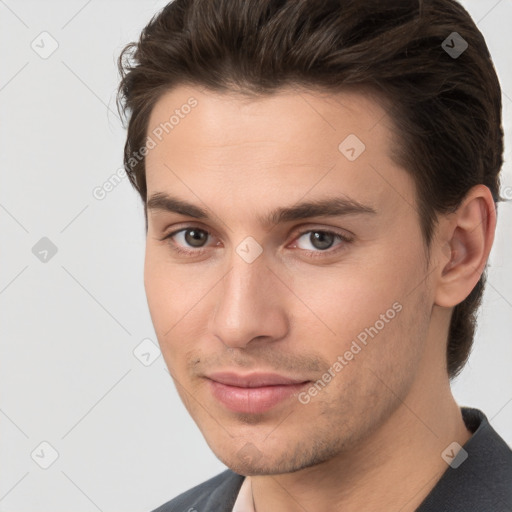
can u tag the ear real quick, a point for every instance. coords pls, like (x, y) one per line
(465, 240)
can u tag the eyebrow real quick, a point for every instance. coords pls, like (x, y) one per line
(327, 207)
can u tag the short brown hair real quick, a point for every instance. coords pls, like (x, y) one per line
(446, 109)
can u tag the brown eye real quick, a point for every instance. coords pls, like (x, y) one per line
(195, 237)
(189, 241)
(321, 239)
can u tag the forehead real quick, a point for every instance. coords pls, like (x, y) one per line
(272, 149)
(292, 115)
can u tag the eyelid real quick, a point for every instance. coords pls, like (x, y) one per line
(189, 225)
(342, 233)
(298, 232)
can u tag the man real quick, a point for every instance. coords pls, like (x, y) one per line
(320, 183)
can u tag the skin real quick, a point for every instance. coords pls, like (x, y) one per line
(372, 438)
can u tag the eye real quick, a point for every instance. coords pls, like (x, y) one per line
(321, 240)
(190, 236)
(191, 241)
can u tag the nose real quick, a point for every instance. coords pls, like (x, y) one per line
(250, 305)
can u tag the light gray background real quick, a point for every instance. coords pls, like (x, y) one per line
(70, 325)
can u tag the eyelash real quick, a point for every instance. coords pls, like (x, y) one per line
(313, 254)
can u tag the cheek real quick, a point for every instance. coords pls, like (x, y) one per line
(364, 311)
(171, 289)
(166, 296)
(347, 299)
(177, 296)
(156, 284)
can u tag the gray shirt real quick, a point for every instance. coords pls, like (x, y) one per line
(482, 482)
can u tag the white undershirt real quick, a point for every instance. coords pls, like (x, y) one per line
(244, 501)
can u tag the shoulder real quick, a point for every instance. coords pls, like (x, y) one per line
(482, 479)
(216, 494)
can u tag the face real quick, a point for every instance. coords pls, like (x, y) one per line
(284, 326)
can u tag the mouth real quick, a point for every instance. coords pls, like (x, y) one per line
(253, 393)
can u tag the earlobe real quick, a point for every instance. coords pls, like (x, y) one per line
(467, 242)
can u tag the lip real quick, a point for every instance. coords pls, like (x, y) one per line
(253, 393)
(253, 380)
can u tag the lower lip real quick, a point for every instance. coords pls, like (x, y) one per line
(253, 400)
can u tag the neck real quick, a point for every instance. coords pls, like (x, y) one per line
(393, 469)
